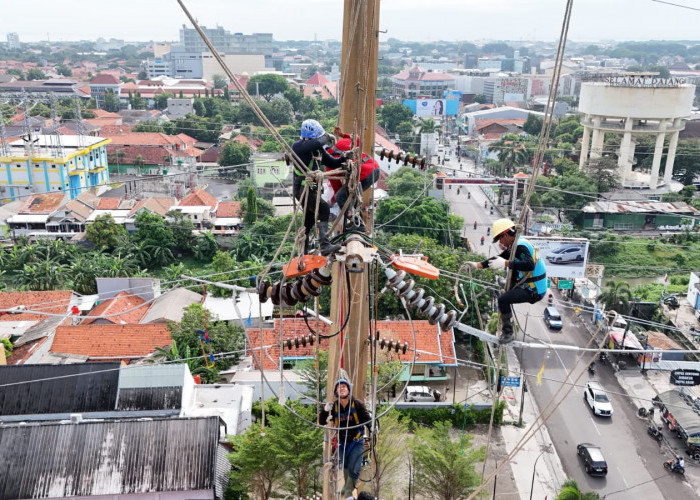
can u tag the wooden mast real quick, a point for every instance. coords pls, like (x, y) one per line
(357, 91)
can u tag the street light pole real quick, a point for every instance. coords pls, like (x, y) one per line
(534, 467)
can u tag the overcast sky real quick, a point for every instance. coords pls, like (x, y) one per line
(420, 20)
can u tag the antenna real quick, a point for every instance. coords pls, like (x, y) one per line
(55, 126)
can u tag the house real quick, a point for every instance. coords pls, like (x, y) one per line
(436, 350)
(122, 309)
(170, 306)
(20, 311)
(268, 170)
(660, 341)
(639, 216)
(128, 343)
(103, 83)
(228, 218)
(185, 458)
(40, 163)
(199, 207)
(246, 303)
(319, 87)
(33, 217)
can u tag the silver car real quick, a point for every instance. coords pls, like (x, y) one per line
(421, 394)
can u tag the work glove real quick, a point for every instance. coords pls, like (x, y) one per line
(326, 139)
(471, 266)
(497, 263)
(328, 406)
(349, 154)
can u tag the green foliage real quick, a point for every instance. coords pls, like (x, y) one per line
(392, 114)
(267, 85)
(225, 337)
(427, 217)
(234, 153)
(391, 455)
(254, 468)
(230, 271)
(533, 125)
(35, 74)
(457, 414)
(407, 182)
(604, 173)
(251, 211)
(157, 239)
(313, 376)
(7, 346)
(445, 469)
(199, 127)
(571, 491)
(616, 296)
(264, 210)
(104, 233)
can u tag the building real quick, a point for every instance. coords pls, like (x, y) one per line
(102, 84)
(635, 105)
(226, 42)
(414, 83)
(12, 41)
(507, 89)
(40, 163)
(639, 216)
(63, 87)
(178, 108)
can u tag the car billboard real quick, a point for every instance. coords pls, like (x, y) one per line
(563, 257)
(432, 107)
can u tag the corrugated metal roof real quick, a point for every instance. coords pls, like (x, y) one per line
(58, 388)
(682, 411)
(109, 458)
(640, 207)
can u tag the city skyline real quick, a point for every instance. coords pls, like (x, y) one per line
(450, 20)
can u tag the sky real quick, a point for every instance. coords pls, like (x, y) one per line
(417, 20)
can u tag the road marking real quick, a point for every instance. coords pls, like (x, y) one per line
(595, 426)
(622, 477)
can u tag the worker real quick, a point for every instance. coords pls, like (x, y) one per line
(310, 150)
(369, 169)
(529, 277)
(482, 240)
(475, 224)
(349, 416)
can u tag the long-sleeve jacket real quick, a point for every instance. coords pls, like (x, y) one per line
(525, 267)
(311, 152)
(354, 414)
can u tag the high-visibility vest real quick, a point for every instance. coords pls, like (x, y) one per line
(537, 278)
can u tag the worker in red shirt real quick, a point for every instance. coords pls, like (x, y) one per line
(369, 168)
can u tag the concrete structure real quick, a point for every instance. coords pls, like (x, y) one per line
(635, 105)
(44, 163)
(180, 107)
(415, 82)
(12, 41)
(102, 84)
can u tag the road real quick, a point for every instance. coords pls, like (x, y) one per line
(635, 462)
(467, 201)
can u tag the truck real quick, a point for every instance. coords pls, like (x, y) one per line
(619, 324)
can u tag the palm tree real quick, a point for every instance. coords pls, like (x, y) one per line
(617, 296)
(197, 365)
(571, 491)
(511, 151)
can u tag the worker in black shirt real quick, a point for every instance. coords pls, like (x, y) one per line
(310, 150)
(348, 415)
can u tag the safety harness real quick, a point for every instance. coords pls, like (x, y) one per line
(314, 164)
(353, 412)
(529, 279)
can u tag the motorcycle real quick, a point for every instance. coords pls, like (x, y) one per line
(603, 357)
(591, 368)
(485, 204)
(482, 240)
(655, 432)
(469, 195)
(475, 224)
(668, 465)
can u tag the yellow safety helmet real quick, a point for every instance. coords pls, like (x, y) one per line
(500, 226)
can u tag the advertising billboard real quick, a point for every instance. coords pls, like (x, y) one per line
(563, 257)
(433, 107)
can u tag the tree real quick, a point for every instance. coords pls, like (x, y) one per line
(104, 233)
(251, 213)
(253, 465)
(603, 171)
(205, 247)
(662, 70)
(511, 151)
(444, 468)
(481, 99)
(570, 491)
(390, 455)
(63, 70)
(267, 85)
(616, 296)
(157, 236)
(427, 126)
(236, 155)
(299, 446)
(35, 74)
(686, 165)
(111, 102)
(161, 100)
(407, 182)
(533, 125)
(197, 365)
(392, 114)
(220, 81)
(182, 228)
(427, 217)
(143, 75)
(314, 376)
(225, 337)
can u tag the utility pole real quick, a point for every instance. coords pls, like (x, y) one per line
(358, 82)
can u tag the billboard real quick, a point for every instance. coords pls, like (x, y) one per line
(563, 257)
(432, 107)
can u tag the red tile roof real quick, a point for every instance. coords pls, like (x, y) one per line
(317, 80)
(108, 203)
(199, 198)
(228, 209)
(46, 203)
(104, 79)
(53, 302)
(20, 354)
(155, 204)
(123, 302)
(110, 341)
(422, 75)
(434, 347)
(112, 130)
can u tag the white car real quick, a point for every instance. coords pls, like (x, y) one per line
(421, 394)
(563, 255)
(597, 399)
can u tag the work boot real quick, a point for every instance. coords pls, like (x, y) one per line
(507, 335)
(325, 246)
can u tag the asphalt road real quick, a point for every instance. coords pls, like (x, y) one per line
(635, 461)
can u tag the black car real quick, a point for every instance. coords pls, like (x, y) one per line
(593, 460)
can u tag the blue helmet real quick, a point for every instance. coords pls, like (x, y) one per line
(341, 381)
(311, 129)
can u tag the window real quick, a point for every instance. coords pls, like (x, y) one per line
(275, 170)
(261, 170)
